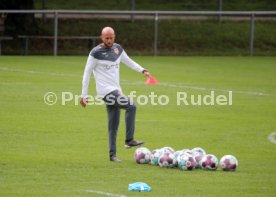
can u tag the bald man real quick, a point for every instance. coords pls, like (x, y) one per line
(104, 61)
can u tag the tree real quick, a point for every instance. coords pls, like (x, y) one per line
(19, 24)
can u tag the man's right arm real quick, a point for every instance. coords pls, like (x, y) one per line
(90, 64)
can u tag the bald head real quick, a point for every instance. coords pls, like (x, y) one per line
(108, 37)
(108, 30)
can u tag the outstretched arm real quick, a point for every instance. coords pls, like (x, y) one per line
(90, 64)
(132, 64)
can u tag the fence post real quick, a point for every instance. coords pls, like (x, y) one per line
(251, 44)
(155, 33)
(56, 34)
(219, 9)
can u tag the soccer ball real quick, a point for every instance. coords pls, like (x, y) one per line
(167, 149)
(198, 149)
(176, 155)
(154, 156)
(209, 162)
(142, 155)
(186, 150)
(167, 160)
(198, 156)
(186, 161)
(228, 163)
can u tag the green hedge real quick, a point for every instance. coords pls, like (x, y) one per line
(175, 37)
(178, 37)
(238, 5)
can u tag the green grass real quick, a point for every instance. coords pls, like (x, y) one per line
(62, 150)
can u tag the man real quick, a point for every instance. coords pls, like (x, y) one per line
(104, 61)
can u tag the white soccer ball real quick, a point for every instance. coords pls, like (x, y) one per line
(186, 150)
(198, 156)
(199, 150)
(228, 163)
(142, 155)
(176, 155)
(209, 162)
(167, 160)
(154, 156)
(167, 149)
(186, 161)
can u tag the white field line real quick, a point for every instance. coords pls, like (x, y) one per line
(156, 120)
(128, 82)
(183, 86)
(105, 193)
(272, 137)
(15, 83)
(37, 72)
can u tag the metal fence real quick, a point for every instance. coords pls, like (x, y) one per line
(152, 15)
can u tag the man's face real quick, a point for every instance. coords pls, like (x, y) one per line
(108, 39)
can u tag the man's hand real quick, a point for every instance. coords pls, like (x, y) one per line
(150, 79)
(147, 74)
(83, 102)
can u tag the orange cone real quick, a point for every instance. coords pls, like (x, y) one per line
(151, 80)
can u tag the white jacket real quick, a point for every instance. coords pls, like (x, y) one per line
(105, 65)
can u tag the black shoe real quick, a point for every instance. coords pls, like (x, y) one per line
(115, 159)
(133, 143)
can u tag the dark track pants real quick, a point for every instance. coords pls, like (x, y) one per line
(115, 101)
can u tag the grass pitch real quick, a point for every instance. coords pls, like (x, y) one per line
(62, 150)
